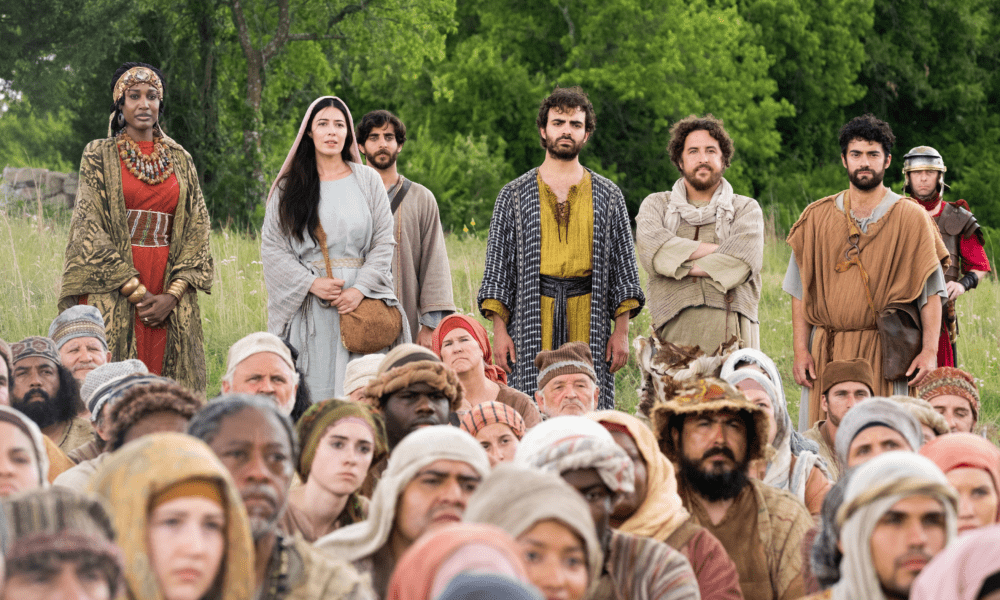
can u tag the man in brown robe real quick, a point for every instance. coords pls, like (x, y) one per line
(897, 245)
(420, 269)
(713, 432)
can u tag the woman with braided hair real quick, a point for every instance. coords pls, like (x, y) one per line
(138, 246)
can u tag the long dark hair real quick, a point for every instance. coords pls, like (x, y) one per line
(298, 211)
(116, 107)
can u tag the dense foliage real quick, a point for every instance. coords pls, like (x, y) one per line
(467, 77)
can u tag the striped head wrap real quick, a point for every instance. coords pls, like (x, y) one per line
(489, 413)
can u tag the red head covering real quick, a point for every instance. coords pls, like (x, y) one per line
(416, 570)
(956, 450)
(456, 321)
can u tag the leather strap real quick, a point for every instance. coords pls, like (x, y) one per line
(398, 198)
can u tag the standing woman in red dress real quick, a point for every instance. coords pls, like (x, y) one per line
(138, 245)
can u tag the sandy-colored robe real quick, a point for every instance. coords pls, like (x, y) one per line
(900, 252)
(99, 260)
(734, 270)
(420, 268)
(762, 531)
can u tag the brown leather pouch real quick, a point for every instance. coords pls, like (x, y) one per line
(372, 326)
(899, 327)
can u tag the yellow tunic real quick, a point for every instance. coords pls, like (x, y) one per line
(566, 251)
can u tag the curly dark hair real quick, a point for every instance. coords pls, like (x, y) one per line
(378, 118)
(116, 108)
(683, 128)
(869, 128)
(144, 400)
(567, 99)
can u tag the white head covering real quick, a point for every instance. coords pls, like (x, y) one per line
(873, 489)
(568, 443)
(22, 422)
(255, 343)
(360, 371)
(780, 473)
(877, 411)
(98, 382)
(355, 154)
(416, 451)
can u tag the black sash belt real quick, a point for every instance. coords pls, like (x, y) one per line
(561, 289)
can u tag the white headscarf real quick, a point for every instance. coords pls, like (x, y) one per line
(30, 429)
(877, 411)
(874, 488)
(780, 473)
(416, 451)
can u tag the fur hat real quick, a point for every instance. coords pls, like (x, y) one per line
(709, 396)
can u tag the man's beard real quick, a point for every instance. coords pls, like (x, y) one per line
(713, 180)
(871, 184)
(715, 485)
(50, 409)
(560, 153)
(383, 160)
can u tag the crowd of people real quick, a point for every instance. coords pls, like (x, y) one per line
(374, 443)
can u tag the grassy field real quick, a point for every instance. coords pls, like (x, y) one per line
(31, 255)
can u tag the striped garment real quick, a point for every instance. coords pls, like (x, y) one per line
(641, 568)
(511, 275)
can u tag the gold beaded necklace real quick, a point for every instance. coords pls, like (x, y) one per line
(150, 169)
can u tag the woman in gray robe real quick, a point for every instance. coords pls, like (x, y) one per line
(323, 192)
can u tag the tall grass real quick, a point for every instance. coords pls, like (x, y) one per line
(31, 255)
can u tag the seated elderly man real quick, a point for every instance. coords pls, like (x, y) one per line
(262, 364)
(845, 384)
(875, 426)
(141, 404)
(96, 397)
(713, 432)
(426, 485)
(585, 455)
(79, 337)
(59, 544)
(567, 381)
(953, 393)
(898, 512)
(256, 442)
(46, 392)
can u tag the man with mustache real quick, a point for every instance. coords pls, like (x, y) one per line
(262, 364)
(420, 268)
(46, 392)
(713, 432)
(567, 382)
(560, 263)
(78, 333)
(426, 486)
(898, 513)
(257, 443)
(702, 245)
(854, 254)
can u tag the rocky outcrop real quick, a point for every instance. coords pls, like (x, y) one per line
(29, 184)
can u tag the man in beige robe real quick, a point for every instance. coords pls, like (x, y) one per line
(420, 269)
(702, 245)
(897, 245)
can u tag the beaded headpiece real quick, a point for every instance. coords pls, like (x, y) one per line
(135, 76)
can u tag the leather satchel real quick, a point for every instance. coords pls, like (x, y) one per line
(898, 323)
(373, 325)
(900, 329)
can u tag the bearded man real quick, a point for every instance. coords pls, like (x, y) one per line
(46, 392)
(713, 432)
(702, 245)
(560, 264)
(420, 268)
(853, 255)
(924, 169)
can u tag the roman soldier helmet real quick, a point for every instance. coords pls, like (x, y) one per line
(924, 158)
